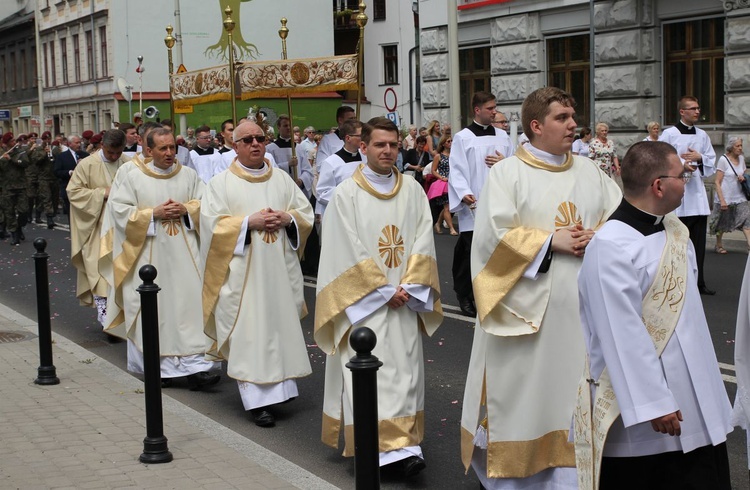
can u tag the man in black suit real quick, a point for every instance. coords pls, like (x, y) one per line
(65, 163)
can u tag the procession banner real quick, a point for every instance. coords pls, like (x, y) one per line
(201, 86)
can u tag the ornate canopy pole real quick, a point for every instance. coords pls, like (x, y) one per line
(283, 33)
(229, 27)
(170, 41)
(361, 22)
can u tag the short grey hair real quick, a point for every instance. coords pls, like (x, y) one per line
(309, 129)
(114, 138)
(731, 142)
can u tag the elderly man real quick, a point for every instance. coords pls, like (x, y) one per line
(88, 191)
(254, 222)
(411, 139)
(378, 269)
(152, 218)
(65, 164)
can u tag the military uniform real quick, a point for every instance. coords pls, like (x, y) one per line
(14, 202)
(36, 159)
(48, 192)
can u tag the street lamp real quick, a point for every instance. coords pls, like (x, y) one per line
(139, 71)
(169, 41)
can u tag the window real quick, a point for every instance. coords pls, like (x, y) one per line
(4, 71)
(474, 74)
(568, 69)
(378, 10)
(13, 70)
(64, 53)
(46, 64)
(90, 55)
(76, 58)
(32, 68)
(103, 51)
(390, 64)
(52, 63)
(21, 69)
(694, 65)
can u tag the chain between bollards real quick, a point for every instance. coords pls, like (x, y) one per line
(155, 449)
(364, 367)
(46, 374)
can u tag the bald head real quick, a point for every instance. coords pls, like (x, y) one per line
(250, 144)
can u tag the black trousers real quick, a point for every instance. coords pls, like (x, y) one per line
(462, 265)
(701, 469)
(696, 225)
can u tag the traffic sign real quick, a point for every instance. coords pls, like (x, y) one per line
(181, 69)
(185, 109)
(390, 101)
(393, 116)
(5, 115)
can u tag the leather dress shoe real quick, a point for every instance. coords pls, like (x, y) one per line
(413, 465)
(166, 382)
(20, 233)
(262, 417)
(50, 222)
(467, 307)
(705, 291)
(198, 381)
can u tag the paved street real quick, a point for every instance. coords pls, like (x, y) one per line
(296, 437)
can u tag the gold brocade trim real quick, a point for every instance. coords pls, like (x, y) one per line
(533, 161)
(363, 183)
(506, 265)
(204, 99)
(220, 253)
(303, 231)
(194, 211)
(259, 94)
(143, 167)
(106, 243)
(520, 459)
(236, 170)
(568, 215)
(330, 431)
(119, 320)
(393, 433)
(348, 288)
(422, 269)
(135, 237)
(391, 246)
(467, 448)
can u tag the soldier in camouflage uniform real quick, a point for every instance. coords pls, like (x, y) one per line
(36, 156)
(14, 202)
(42, 166)
(6, 142)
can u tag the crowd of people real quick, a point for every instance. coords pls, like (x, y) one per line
(561, 265)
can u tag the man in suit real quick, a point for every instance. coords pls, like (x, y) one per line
(65, 163)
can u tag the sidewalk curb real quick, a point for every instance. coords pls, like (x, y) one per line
(280, 467)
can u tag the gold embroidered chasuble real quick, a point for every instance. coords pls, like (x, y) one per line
(86, 190)
(371, 239)
(528, 347)
(174, 250)
(252, 303)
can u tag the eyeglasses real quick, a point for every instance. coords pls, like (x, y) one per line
(359, 135)
(248, 140)
(502, 122)
(692, 109)
(685, 176)
(205, 137)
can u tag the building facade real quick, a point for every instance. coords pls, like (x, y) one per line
(18, 74)
(627, 62)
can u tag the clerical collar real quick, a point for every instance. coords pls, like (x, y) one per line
(382, 183)
(684, 128)
(481, 130)
(104, 159)
(133, 147)
(203, 151)
(160, 171)
(348, 157)
(642, 221)
(255, 172)
(546, 157)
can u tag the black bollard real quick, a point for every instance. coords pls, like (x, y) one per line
(364, 367)
(155, 448)
(46, 374)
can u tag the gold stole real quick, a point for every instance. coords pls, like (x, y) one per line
(662, 307)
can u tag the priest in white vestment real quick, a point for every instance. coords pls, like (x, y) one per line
(378, 269)
(152, 218)
(281, 150)
(534, 219)
(254, 223)
(648, 343)
(88, 191)
(332, 142)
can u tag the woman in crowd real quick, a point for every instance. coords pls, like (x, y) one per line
(602, 151)
(731, 209)
(653, 131)
(581, 145)
(433, 137)
(438, 192)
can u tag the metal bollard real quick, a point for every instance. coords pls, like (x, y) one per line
(46, 374)
(155, 448)
(364, 367)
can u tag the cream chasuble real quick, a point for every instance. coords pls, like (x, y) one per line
(528, 348)
(86, 189)
(169, 246)
(252, 303)
(373, 240)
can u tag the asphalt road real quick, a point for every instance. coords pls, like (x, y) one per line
(296, 436)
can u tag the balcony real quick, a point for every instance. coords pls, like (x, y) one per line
(345, 13)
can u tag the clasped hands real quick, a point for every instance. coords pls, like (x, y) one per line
(170, 210)
(399, 299)
(572, 240)
(691, 159)
(269, 220)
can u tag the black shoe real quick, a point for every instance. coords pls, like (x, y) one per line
(262, 417)
(467, 307)
(166, 382)
(14, 239)
(705, 291)
(50, 222)
(412, 466)
(200, 380)
(38, 218)
(20, 234)
(3, 233)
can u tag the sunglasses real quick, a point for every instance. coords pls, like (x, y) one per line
(248, 140)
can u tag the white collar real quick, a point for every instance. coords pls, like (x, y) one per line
(545, 156)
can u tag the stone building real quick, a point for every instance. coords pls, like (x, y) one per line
(645, 55)
(18, 73)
